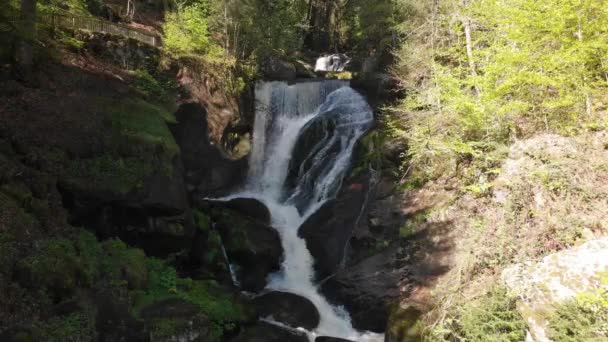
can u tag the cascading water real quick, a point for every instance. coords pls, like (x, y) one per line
(304, 136)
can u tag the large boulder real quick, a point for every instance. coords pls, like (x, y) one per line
(557, 278)
(330, 339)
(207, 171)
(250, 207)
(367, 289)
(327, 232)
(288, 308)
(276, 69)
(251, 245)
(266, 332)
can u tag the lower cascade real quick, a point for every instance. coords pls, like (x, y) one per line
(303, 140)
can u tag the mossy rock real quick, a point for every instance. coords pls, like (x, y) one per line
(175, 319)
(143, 124)
(110, 174)
(55, 266)
(219, 305)
(123, 263)
(404, 324)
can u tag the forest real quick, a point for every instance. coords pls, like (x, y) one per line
(304, 170)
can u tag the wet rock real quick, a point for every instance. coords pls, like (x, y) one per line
(207, 171)
(331, 339)
(253, 246)
(266, 332)
(166, 194)
(318, 142)
(304, 70)
(328, 231)
(181, 321)
(275, 69)
(367, 289)
(250, 207)
(288, 308)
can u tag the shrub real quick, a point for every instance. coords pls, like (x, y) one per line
(583, 319)
(186, 31)
(492, 317)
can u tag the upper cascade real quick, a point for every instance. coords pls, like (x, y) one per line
(303, 137)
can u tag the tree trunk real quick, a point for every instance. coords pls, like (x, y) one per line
(466, 22)
(24, 54)
(588, 101)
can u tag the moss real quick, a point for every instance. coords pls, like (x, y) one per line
(78, 326)
(123, 264)
(163, 329)
(90, 252)
(217, 304)
(13, 217)
(54, 266)
(405, 324)
(18, 191)
(202, 221)
(413, 223)
(144, 123)
(109, 173)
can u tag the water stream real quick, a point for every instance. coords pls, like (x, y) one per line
(303, 139)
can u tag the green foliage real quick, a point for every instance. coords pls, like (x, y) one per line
(211, 299)
(75, 327)
(201, 220)
(186, 30)
(492, 317)
(526, 73)
(162, 278)
(256, 28)
(56, 266)
(146, 83)
(369, 26)
(583, 319)
(413, 222)
(81, 7)
(90, 253)
(167, 328)
(219, 306)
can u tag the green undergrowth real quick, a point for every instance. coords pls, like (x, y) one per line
(63, 267)
(218, 305)
(490, 317)
(583, 319)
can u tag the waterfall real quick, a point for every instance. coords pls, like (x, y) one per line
(303, 139)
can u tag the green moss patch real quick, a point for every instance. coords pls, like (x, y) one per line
(144, 123)
(109, 173)
(217, 304)
(124, 265)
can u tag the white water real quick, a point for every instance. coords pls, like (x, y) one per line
(283, 113)
(337, 62)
